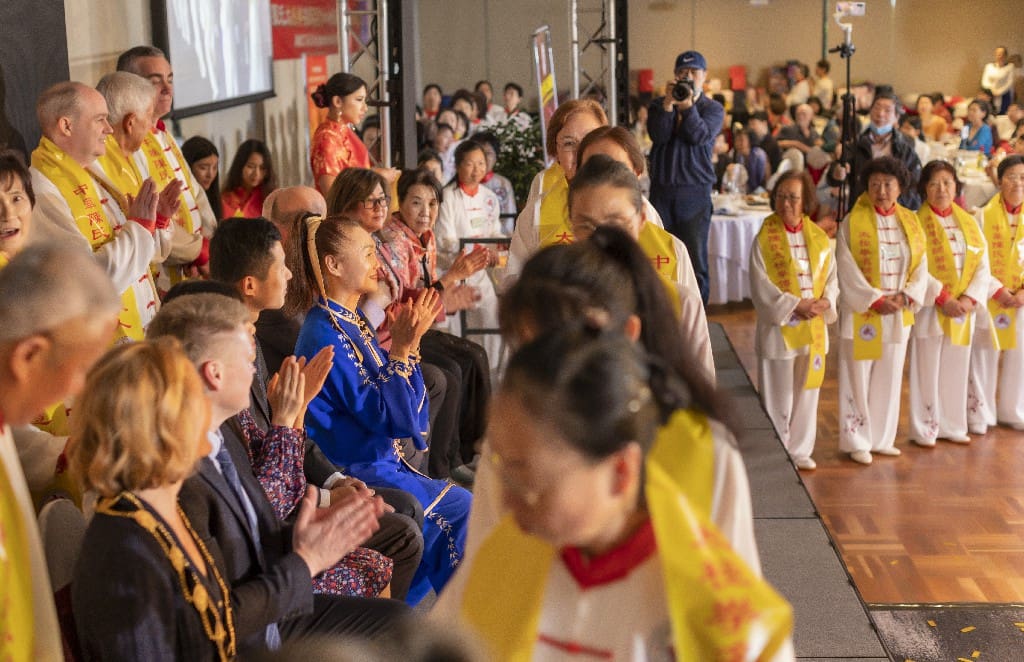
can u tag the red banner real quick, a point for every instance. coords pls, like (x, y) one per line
(304, 27)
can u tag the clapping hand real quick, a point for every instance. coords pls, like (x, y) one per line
(285, 392)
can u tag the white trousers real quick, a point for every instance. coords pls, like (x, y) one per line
(996, 380)
(938, 389)
(792, 409)
(869, 397)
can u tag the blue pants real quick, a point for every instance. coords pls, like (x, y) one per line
(686, 213)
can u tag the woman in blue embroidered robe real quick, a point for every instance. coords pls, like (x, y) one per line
(371, 400)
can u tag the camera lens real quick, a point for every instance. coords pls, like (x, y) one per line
(682, 90)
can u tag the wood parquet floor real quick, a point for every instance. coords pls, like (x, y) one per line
(935, 525)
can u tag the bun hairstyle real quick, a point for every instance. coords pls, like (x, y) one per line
(596, 389)
(600, 283)
(338, 85)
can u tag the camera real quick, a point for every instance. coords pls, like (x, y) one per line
(682, 90)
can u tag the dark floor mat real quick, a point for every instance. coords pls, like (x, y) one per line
(932, 633)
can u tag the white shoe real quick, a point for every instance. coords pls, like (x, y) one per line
(977, 428)
(893, 451)
(958, 440)
(805, 463)
(863, 457)
(1015, 426)
(923, 443)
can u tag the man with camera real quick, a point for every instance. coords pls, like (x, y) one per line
(683, 125)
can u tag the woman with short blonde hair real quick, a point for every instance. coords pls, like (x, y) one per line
(145, 586)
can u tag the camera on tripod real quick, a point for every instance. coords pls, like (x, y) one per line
(682, 90)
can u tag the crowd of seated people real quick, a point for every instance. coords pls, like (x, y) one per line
(261, 402)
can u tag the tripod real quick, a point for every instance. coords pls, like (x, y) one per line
(849, 128)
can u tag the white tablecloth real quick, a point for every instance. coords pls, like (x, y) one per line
(977, 191)
(729, 243)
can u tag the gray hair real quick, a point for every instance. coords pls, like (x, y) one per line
(284, 205)
(57, 101)
(129, 60)
(126, 93)
(45, 286)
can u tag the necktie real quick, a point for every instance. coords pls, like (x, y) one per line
(230, 473)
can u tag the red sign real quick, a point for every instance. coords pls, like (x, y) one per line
(316, 74)
(304, 27)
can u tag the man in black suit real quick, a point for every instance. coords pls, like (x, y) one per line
(247, 254)
(268, 564)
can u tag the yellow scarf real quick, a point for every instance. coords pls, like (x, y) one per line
(553, 225)
(163, 173)
(1004, 258)
(121, 171)
(715, 603)
(17, 629)
(867, 326)
(77, 187)
(942, 265)
(658, 247)
(781, 267)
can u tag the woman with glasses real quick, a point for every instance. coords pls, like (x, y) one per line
(940, 346)
(544, 219)
(882, 262)
(997, 351)
(793, 286)
(471, 210)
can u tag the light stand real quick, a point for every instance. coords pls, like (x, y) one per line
(849, 128)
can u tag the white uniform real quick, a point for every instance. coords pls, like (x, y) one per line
(992, 370)
(125, 258)
(467, 216)
(869, 390)
(782, 371)
(45, 632)
(938, 368)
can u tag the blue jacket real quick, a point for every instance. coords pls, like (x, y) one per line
(681, 150)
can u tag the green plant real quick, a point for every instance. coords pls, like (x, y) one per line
(521, 157)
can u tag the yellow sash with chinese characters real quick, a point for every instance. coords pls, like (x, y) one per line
(1004, 259)
(163, 173)
(942, 265)
(863, 220)
(79, 190)
(17, 627)
(716, 605)
(121, 171)
(658, 247)
(553, 225)
(781, 268)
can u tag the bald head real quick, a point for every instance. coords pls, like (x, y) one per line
(74, 117)
(284, 205)
(45, 286)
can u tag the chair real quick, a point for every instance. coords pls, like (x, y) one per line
(62, 529)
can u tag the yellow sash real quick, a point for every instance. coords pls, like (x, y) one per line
(78, 188)
(1004, 259)
(122, 172)
(781, 267)
(163, 173)
(867, 326)
(658, 247)
(17, 630)
(553, 225)
(942, 265)
(715, 603)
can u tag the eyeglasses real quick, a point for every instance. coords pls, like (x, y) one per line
(568, 145)
(1014, 179)
(382, 202)
(789, 198)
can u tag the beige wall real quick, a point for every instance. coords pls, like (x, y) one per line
(916, 45)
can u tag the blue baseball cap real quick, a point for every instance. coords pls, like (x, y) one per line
(691, 60)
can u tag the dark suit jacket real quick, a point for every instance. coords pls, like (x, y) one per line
(269, 582)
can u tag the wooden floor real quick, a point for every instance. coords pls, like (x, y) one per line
(937, 525)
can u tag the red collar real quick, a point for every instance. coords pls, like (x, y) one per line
(942, 214)
(488, 177)
(798, 229)
(468, 191)
(889, 212)
(614, 564)
(1011, 210)
(160, 126)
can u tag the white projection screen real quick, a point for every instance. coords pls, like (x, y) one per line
(220, 51)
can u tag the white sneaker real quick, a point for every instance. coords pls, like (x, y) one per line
(805, 463)
(863, 457)
(923, 443)
(977, 428)
(1015, 426)
(893, 451)
(957, 439)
